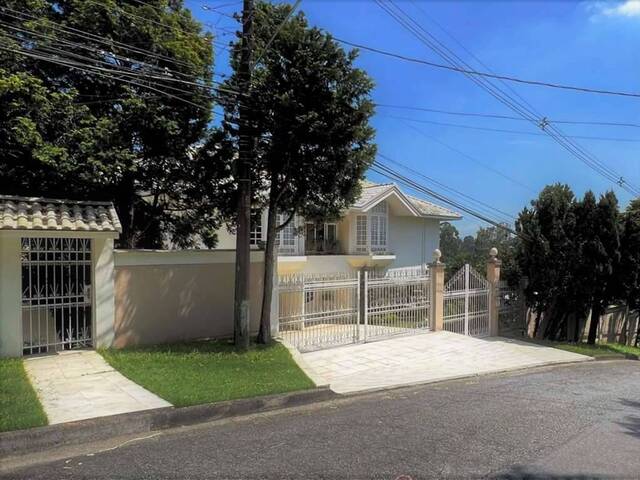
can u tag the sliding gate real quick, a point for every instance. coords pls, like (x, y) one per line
(466, 303)
(326, 310)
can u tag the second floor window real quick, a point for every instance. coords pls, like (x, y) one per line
(255, 235)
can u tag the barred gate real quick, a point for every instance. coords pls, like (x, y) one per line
(397, 302)
(317, 311)
(325, 310)
(466, 303)
(56, 294)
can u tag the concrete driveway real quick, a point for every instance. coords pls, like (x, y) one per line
(424, 358)
(79, 384)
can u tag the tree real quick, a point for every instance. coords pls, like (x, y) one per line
(310, 111)
(545, 253)
(604, 259)
(629, 271)
(122, 95)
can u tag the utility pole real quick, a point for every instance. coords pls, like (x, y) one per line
(246, 152)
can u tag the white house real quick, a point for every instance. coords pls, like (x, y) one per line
(385, 228)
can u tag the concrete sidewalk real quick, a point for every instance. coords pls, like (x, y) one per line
(76, 385)
(424, 358)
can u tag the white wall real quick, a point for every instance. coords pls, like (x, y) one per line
(413, 240)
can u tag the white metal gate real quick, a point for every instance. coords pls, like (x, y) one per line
(56, 294)
(317, 311)
(396, 303)
(325, 310)
(466, 303)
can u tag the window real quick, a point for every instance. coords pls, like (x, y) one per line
(361, 233)
(255, 235)
(378, 222)
(287, 235)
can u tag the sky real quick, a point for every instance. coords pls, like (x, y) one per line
(587, 44)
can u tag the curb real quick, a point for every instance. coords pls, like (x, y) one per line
(617, 356)
(21, 442)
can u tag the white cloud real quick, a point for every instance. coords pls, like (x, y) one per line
(627, 8)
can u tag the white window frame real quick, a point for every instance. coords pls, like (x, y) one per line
(376, 228)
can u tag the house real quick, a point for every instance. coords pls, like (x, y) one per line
(385, 228)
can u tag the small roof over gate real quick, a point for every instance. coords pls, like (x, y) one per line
(50, 215)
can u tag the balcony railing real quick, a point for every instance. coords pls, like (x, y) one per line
(322, 247)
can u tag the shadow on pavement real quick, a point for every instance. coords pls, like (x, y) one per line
(631, 422)
(528, 473)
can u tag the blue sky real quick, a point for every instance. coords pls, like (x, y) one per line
(591, 44)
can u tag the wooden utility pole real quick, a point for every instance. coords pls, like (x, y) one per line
(245, 158)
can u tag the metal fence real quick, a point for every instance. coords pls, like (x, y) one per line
(324, 310)
(397, 302)
(466, 303)
(511, 317)
(317, 311)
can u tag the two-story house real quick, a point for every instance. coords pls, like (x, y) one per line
(385, 228)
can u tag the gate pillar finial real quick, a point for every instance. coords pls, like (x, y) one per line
(436, 272)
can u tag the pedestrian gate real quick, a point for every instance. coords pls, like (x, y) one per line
(320, 311)
(466, 303)
(56, 294)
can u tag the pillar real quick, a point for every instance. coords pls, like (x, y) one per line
(436, 272)
(10, 297)
(103, 291)
(493, 277)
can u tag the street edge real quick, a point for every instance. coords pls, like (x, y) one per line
(23, 442)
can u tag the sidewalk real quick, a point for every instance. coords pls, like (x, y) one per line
(77, 385)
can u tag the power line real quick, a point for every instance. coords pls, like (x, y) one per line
(502, 117)
(393, 175)
(500, 130)
(473, 159)
(277, 31)
(526, 112)
(486, 74)
(506, 216)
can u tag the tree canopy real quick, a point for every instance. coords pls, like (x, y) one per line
(107, 99)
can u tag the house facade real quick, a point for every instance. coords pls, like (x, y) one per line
(384, 229)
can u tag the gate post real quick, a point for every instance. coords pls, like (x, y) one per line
(436, 310)
(493, 277)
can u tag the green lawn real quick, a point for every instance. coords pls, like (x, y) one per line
(19, 405)
(599, 350)
(206, 372)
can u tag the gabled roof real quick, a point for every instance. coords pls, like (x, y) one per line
(374, 193)
(27, 213)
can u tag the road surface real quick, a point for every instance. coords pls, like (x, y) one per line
(577, 420)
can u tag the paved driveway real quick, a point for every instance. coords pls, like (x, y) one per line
(428, 357)
(76, 385)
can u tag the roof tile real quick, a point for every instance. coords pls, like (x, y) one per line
(22, 213)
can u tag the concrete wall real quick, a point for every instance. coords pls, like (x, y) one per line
(413, 240)
(168, 296)
(10, 297)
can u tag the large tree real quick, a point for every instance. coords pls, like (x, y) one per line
(629, 271)
(106, 99)
(310, 108)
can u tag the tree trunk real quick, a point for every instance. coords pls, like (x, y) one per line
(536, 325)
(596, 311)
(264, 335)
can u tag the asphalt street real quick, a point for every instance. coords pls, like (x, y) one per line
(578, 420)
